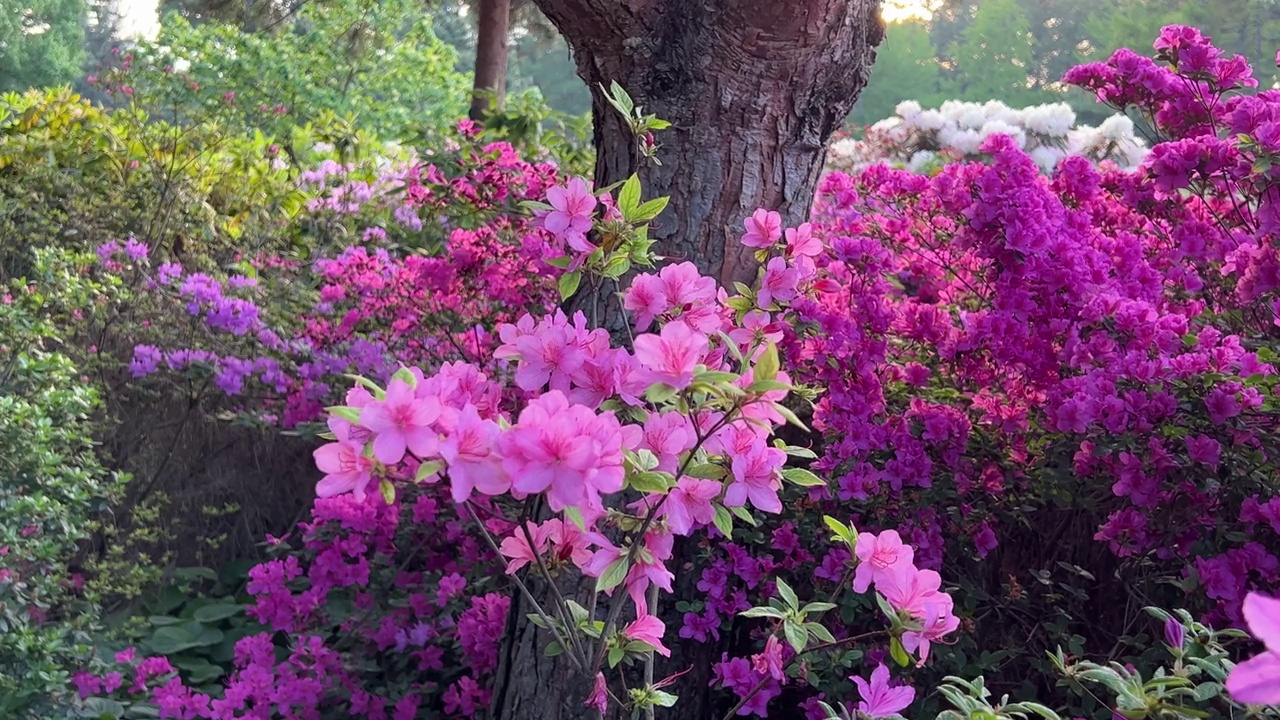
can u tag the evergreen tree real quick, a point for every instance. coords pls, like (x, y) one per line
(41, 42)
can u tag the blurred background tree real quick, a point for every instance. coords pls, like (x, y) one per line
(42, 42)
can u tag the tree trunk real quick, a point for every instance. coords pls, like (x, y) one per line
(754, 89)
(491, 55)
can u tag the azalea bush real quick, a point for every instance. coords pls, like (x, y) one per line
(926, 139)
(574, 457)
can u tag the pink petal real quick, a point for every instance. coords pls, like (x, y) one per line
(1262, 613)
(1256, 681)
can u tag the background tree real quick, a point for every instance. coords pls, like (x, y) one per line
(492, 39)
(41, 43)
(906, 69)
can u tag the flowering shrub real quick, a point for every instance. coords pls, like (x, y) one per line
(926, 139)
(1057, 390)
(1016, 364)
(626, 448)
(51, 486)
(367, 309)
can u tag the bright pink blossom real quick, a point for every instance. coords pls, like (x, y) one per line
(472, 462)
(689, 504)
(401, 421)
(879, 699)
(1256, 681)
(648, 630)
(879, 557)
(345, 467)
(672, 356)
(764, 228)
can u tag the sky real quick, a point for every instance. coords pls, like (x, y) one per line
(139, 16)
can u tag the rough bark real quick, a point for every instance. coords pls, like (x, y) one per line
(754, 89)
(492, 39)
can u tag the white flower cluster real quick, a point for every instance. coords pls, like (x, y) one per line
(915, 136)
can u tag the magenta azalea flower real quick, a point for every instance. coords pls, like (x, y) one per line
(671, 356)
(879, 556)
(1257, 681)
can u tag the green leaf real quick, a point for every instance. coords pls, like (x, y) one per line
(553, 649)
(216, 612)
(629, 197)
(350, 414)
(767, 365)
(744, 515)
(817, 608)
(819, 631)
(613, 575)
(787, 594)
(615, 656)
(723, 522)
(797, 636)
(651, 482)
(659, 393)
(170, 640)
(803, 478)
(841, 532)
(388, 491)
(898, 652)
(763, 612)
(661, 698)
(649, 210)
(569, 283)
(706, 471)
(427, 469)
(405, 376)
(574, 516)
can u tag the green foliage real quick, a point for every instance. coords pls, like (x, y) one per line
(41, 42)
(377, 63)
(906, 68)
(51, 483)
(995, 57)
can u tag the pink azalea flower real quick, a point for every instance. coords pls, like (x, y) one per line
(515, 547)
(801, 242)
(671, 356)
(667, 435)
(648, 630)
(689, 504)
(646, 299)
(345, 468)
(401, 421)
(1256, 681)
(879, 699)
(879, 557)
(779, 283)
(756, 479)
(565, 450)
(472, 462)
(769, 661)
(573, 205)
(599, 697)
(764, 228)
(937, 623)
(911, 590)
